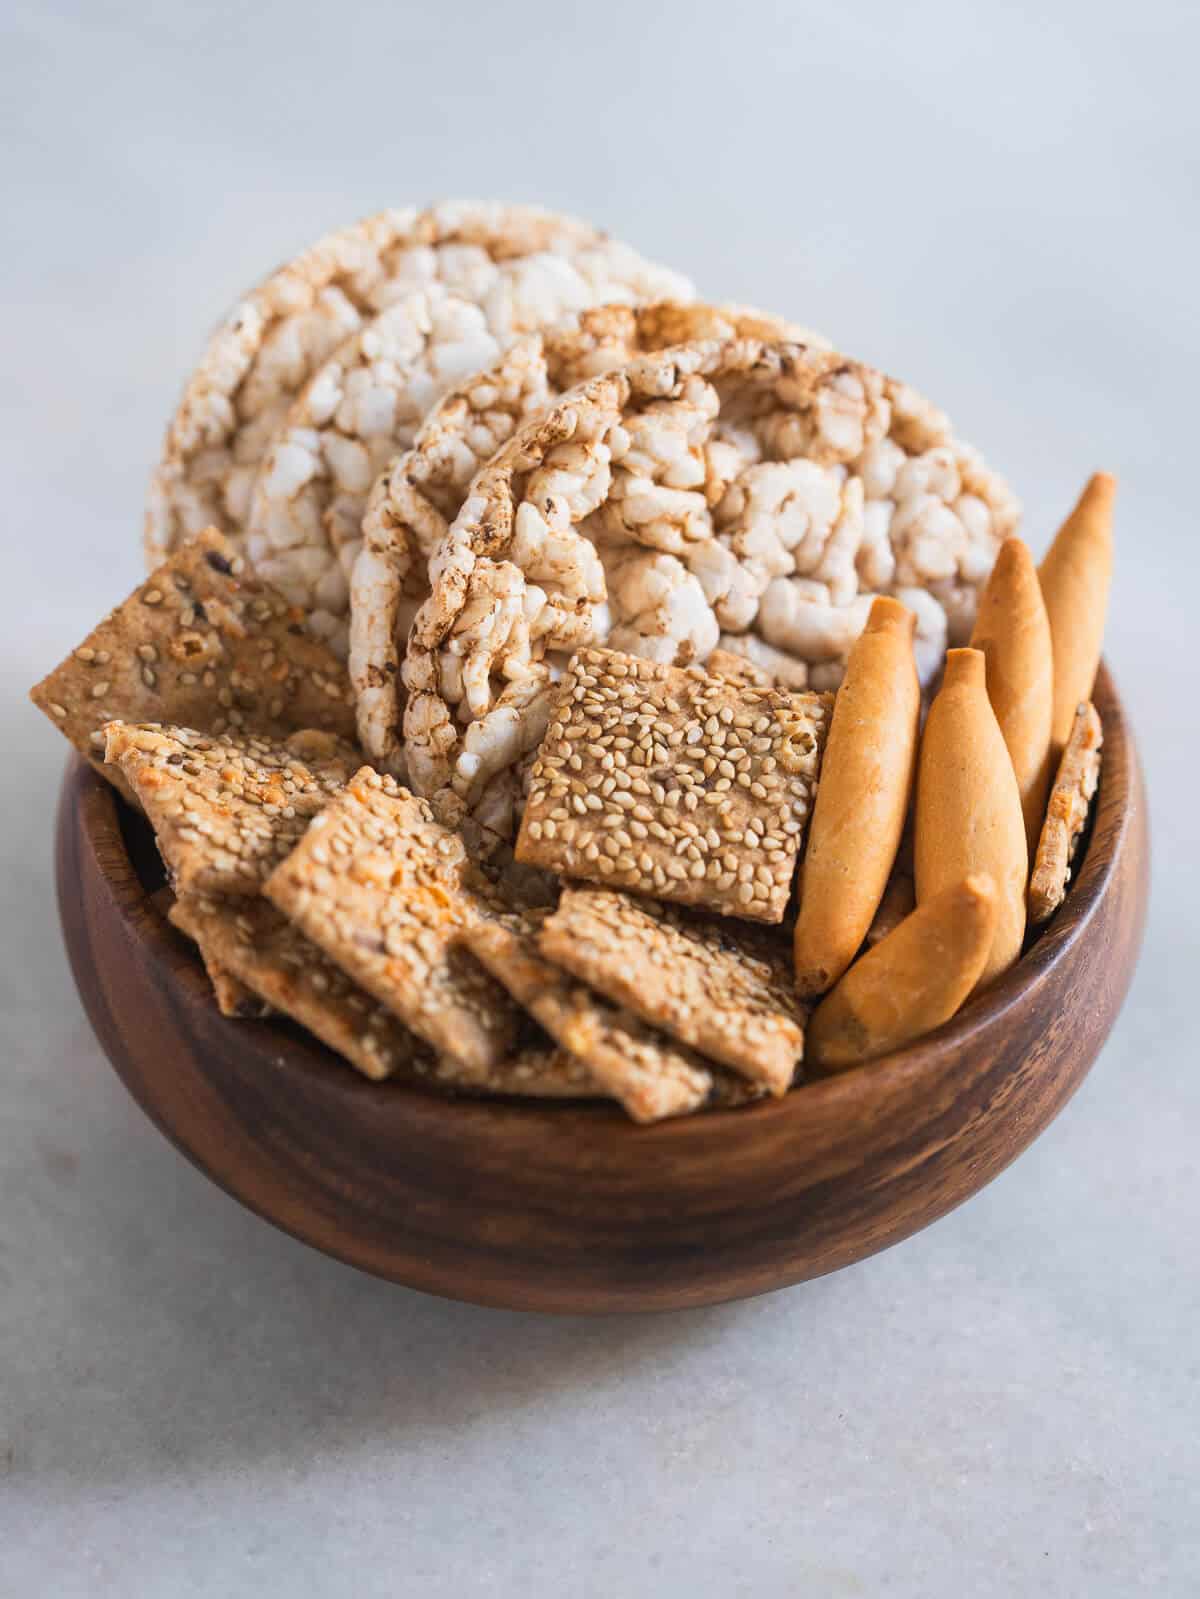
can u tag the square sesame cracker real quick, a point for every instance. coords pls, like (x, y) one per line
(670, 782)
(725, 989)
(1066, 814)
(386, 891)
(537, 1070)
(252, 940)
(226, 809)
(647, 1073)
(201, 643)
(232, 996)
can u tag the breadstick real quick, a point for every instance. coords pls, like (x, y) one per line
(862, 796)
(911, 982)
(1076, 574)
(1013, 631)
(968, 805)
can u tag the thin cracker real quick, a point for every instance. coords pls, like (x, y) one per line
(226, 810)
(382, 888)
(533, 1071)
(252, 940)
(671, 783)
(201, 643)
(233, 998)
(725, 990)
(651, 1077)
(1066, 814)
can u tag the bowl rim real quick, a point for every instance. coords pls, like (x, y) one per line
(1118, 794)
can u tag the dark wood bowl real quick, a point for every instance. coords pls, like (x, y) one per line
(570, 1207)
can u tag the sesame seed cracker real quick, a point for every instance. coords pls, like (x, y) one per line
(201, 643)
(671, 783)
(261, 948)
(226, 810)
(232, 996)
(533, 1071)
(1066, 814)
(386, 892)
(649, 1075)
(725, 989)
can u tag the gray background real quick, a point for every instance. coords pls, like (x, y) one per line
(997, 203)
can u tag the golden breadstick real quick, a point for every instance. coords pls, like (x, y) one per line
(862, 796)
(968, 805)
(1076, 574)
(911, 982)
(1013, 631)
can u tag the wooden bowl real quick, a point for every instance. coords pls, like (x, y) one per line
(571, 1207)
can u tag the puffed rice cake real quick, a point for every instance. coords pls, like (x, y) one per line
(475, 277)
(698, 495)
(420, 492)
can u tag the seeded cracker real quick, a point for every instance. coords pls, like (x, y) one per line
(535, 1071)
(264, 951)
(671, 783)
(383, 889)
(227, 810)
(649, 1075)
(201, 643)
(232, 996)
(727, 991)
(1066, 814)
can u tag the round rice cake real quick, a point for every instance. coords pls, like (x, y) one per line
(418, 495)
(716, 492)
(517, 265)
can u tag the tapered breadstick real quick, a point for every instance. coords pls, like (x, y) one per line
(862, 796)
(911, 982)
(1076, 574)
(968, 805)
(1013, 631)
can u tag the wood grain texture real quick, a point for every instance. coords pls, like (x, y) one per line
(570, 1207)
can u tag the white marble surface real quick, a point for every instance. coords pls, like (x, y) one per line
(1004, 211)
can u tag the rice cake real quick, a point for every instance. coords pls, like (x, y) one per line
(226, 810)
(415, 499)
(725, 990)
(650, 1076)
(261, 948)
(1066, 814)
(201, 643)
(716, 490)
(489, 270)
(383, 889)
(674, 784)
